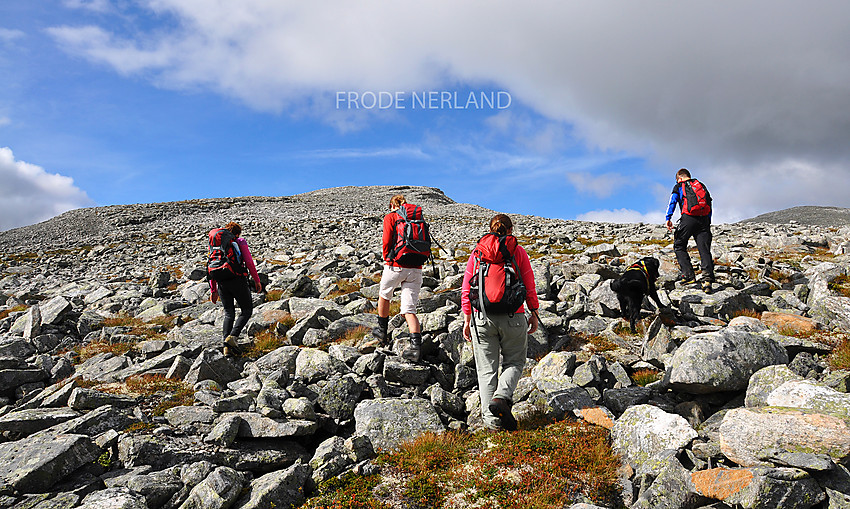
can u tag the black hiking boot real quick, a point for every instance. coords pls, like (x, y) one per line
(414, 348)
(501, 408)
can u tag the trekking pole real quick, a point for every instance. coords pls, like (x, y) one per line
(439, 248)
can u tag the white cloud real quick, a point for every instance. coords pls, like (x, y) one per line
(5, 121)
(621, 216)
(91, 5)
(704, 84)
(9, 35)
(30, 194)
(601, 186)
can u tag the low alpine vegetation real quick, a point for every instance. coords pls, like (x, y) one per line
(644, 377)
(546, 467)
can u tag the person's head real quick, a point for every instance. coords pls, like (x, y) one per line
(234, 228)
(397, 201)
(501, 224)
(683, 175)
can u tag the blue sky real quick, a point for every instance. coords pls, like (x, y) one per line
(136, 101)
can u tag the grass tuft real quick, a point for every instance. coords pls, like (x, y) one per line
(752, 313)
(273, 295)
(644, 377)
(840, 285)
(15, 309)
(265, 341)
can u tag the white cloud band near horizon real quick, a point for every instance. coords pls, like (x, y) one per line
(32, 195)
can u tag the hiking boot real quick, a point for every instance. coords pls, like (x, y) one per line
(231, 347)
(414, 348)
(501, 408)
(686, 280)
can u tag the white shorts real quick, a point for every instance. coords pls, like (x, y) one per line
(410, 281)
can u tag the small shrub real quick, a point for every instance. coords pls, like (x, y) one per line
(644, 377)
(840, 356)
(395, 308)
(6, 312)
(622, 329)
(794, 332)
(265, 341)
(597, 343)
(105, 459)
(344, 287)
(140, 427)
(353, 336)
(347, 491)
(86, 352)
(273, 295)
(840, 285)
(752, 313)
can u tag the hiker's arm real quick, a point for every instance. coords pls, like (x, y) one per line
(533, 322)
(465, 305)
(249, 263)
(527, 276)
(671, 207)
(467, 319)
(387, 237)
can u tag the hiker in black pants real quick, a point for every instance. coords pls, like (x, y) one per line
(694, 202)
(232, 287)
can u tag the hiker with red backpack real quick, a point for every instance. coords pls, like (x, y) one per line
(228, 264)
(694, 202)
(406, 245)
(497, 283)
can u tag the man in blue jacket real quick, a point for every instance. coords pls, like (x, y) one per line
(695, 204)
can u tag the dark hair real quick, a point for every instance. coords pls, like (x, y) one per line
(501, 224)
(234, 228)
(683, 173)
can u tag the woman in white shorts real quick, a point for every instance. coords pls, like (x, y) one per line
(395, 275)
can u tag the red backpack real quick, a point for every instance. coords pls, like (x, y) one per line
(224, 261)
(496, 286)
(696, 200)
(412, 245)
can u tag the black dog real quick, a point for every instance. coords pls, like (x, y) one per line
(637, 282)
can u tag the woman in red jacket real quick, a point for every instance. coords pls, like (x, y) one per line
(399, 274)
(497, 336)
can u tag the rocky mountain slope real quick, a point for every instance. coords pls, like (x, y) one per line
(115, 393)
(808, 215)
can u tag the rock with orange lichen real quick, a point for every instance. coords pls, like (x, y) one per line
(749, 434)
(778, 488)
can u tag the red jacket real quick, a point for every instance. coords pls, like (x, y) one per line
(527, 275)
(389, 239)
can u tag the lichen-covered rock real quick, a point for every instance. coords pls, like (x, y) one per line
(749, 434)
(643, 431)
(218, 491)
(38, 462)
(27, 422)
(721, 361)
(781, 488)
(554, 364)
(339, 396)
(283, 489)
(389, 421)
(313, 365)
(811, 395)
(114, 498)
(672, 487)
(764, 381)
